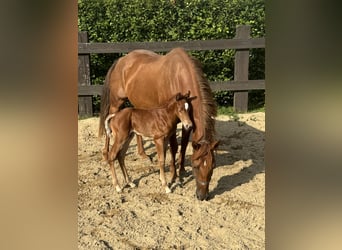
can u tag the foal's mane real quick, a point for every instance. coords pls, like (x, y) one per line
(209, 109)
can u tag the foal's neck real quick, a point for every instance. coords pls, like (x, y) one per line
(170, 111)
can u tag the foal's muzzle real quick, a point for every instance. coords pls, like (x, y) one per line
(187, 126)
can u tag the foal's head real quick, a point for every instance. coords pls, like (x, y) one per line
(183, 108)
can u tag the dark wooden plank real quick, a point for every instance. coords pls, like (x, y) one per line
(236, 43)
(85, 106)
(85, 103)
(237, 86)
(90, 90)
(242, 43)
(215, 86)
(241, 70)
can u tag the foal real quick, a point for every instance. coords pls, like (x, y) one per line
(159, 124)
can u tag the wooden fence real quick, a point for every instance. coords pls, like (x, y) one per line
(240, 85)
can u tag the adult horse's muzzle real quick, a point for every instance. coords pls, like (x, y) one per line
(202, 190)
(202, 196)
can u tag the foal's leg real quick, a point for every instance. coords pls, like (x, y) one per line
(141, 150)
(184, 144)
(173, 150)
(106, 150)
(114, 178)
(161, 151)
(121, 159)
(113, 156)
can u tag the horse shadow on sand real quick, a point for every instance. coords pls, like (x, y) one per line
(239, 144)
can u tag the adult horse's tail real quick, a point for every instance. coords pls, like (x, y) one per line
(105, 101)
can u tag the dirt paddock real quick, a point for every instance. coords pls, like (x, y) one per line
(145, 217)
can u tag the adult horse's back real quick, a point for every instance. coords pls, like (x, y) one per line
(148, 80)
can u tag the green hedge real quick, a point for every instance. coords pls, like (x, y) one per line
(176, 20)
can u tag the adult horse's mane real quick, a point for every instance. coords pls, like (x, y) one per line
(209, 109)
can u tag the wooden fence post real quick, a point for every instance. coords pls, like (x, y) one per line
(85, 105)
(241, 65)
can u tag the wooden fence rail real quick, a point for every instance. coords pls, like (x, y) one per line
(240, 85)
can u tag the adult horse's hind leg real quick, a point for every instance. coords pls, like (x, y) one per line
(184, 144)
(121, 159)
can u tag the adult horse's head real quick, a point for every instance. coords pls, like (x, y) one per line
(203, 163)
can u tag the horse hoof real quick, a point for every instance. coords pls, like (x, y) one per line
(181, 172)
(132, 185)
(167, 190)
(150, 158)
(147, 160)
(118, 189)
(173, 179)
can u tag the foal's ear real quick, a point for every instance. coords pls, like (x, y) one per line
(189, 99)
(187, 94)
(179, 96)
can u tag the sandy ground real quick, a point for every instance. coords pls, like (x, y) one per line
(145, 217)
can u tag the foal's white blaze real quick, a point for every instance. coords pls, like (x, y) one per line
(205, 163)
(186, 106)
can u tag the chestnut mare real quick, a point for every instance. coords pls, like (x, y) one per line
(149, 80)
(159, 124)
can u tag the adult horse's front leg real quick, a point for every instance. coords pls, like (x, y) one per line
(173, 149)
(161, 151)
(184, 144)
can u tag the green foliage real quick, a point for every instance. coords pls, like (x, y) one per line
(175, 20)
(223, 110)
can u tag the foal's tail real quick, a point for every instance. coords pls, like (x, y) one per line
(105, 101)
(106, 124)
